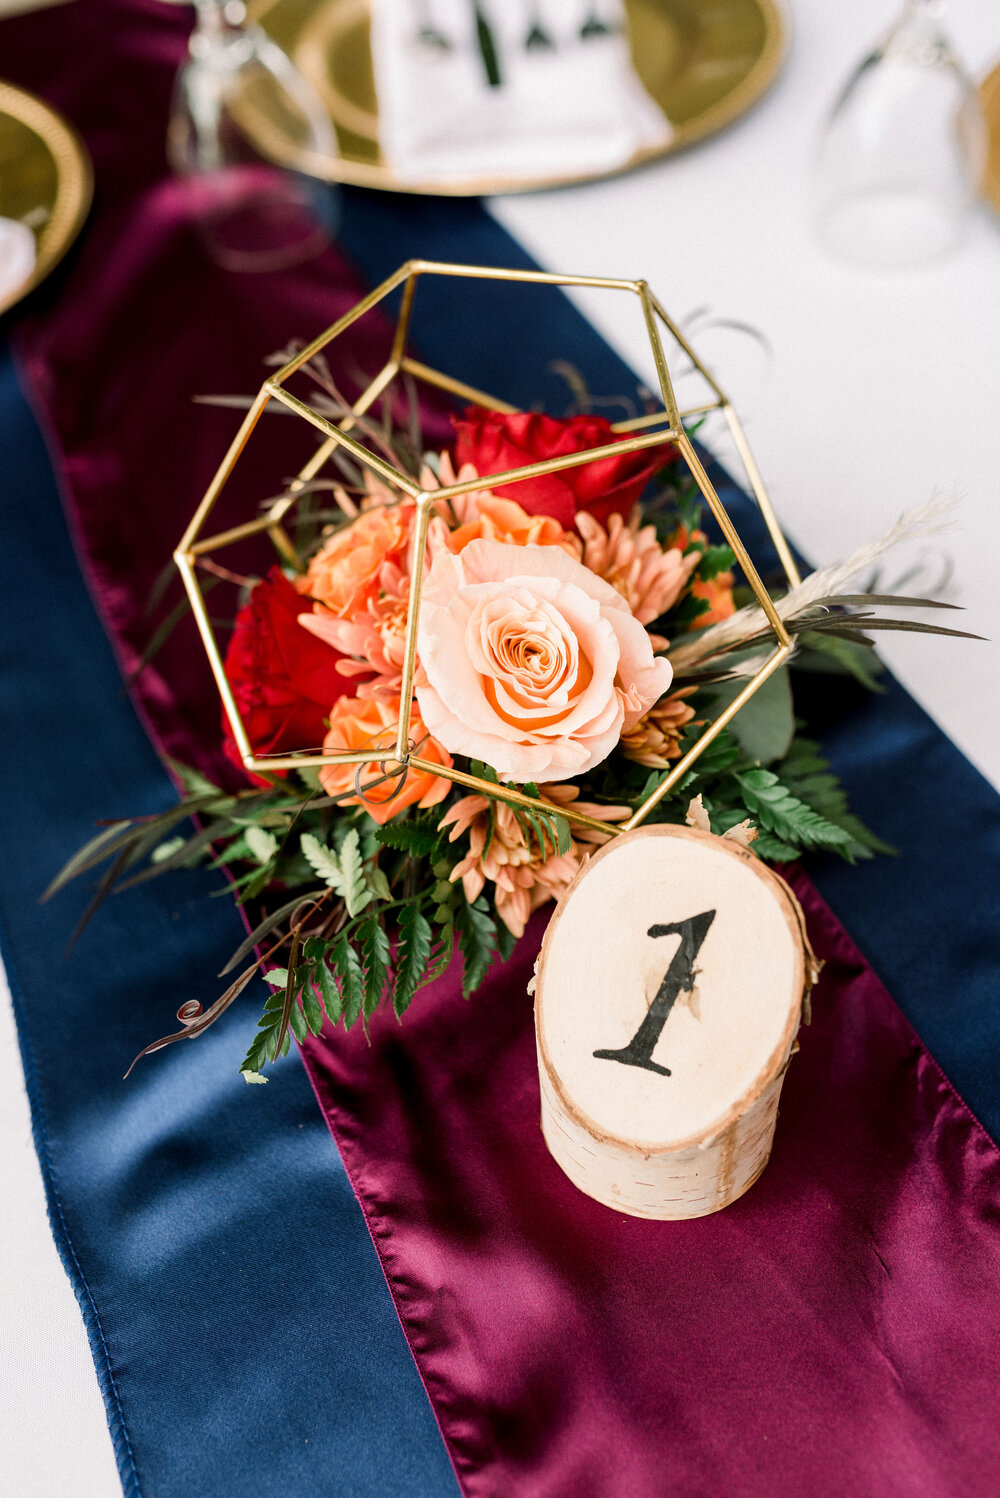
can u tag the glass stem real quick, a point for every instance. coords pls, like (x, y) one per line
(216, 17)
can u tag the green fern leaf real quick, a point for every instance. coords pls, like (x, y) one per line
(329, 992)
(413, 956)
(376, 956)
(352, 980)
(791, 820)
(312, 1009)
(414, 838)
(766, 845)
(262, 845)
(477, 937)
(322, 860)
(355, 891)
(344, 873)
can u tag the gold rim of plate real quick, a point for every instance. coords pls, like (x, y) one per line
(47, 169)
(989, 94)
(705, 62)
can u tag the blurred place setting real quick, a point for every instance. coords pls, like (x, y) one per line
(322, 270)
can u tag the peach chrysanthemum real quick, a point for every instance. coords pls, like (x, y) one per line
(481, 514)
(525, 875)
(655, 739)
(373, 639)
(629, 557)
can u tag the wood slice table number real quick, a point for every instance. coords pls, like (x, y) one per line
(669, 992)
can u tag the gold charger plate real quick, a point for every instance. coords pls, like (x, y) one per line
(45, 180)
(703, 61)
(989, 94)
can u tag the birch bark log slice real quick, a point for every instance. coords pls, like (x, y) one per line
(680, 1122)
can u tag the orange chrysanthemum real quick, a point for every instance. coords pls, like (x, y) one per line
(655, 739)
(525, 875)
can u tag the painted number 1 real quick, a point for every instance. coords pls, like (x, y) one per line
(678, 979)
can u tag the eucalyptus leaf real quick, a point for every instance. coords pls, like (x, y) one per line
(765, 726)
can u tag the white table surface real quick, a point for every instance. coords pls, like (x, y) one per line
(871, 396)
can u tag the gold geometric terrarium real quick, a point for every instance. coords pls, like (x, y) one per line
(650, 430)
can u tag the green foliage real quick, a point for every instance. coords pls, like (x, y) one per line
(776, 810)
(688, 612)
(826, 653)
(329, 991)
(382, 909)
(353, 886)
(261, 844)
(166, 850)
(477, 940)
(808, 775)
(262, 1047)
(765, 726)
(550, 832)
(375, 961)
(347, 966)
(416, 838)
(343, 872)
(715, 559)
(413, 956)
(312, 1009)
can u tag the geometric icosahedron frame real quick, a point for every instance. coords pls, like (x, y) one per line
(641, 432)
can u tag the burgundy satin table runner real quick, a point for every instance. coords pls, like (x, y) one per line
(835, 1332)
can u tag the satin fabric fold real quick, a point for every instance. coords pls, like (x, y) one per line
(148, 328)
(244, 1340)
(833, 1334)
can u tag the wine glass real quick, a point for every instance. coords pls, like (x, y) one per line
(240, 105)
(903, 151)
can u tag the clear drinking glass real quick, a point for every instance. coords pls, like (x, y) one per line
(240, 106)
(903, 152)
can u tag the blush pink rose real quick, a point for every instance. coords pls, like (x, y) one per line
(530, 661)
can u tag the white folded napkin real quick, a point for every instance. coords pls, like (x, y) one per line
(17, 256)
(572, 107)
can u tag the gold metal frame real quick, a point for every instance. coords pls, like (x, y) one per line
(666, 425)
(989, 97)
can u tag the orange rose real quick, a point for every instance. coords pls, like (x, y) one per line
(357, 723)
(344, 575)
(499, 519)
(716, 591)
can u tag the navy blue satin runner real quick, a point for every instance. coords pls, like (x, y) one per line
(244, 1337)
(242, 1331)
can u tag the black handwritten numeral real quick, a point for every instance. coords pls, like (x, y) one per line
(678, 979)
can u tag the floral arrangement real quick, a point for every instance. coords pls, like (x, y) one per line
(578, 632)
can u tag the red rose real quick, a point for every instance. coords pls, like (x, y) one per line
(284, 679)
(492, 443)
